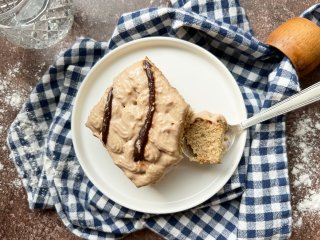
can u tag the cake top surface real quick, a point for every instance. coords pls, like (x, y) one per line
(133, 107)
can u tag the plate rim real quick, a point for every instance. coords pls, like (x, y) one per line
(115, 51)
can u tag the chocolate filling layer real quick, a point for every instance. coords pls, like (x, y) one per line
(107, 117)
(142, 139)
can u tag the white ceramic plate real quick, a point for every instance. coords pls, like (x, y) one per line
(204, 82)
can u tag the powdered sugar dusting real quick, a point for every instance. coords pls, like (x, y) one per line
(13, 97)
(15, 100)
(164, 3)
(305, 144)
(298, 223)
(159, 3)
(15, 79)
(303, 179)
(310, 203)
(16, 183)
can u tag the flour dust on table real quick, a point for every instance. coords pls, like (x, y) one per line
(305, 171)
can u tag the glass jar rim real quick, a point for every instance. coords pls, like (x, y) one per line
(14, 10)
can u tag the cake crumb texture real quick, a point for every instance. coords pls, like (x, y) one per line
(205, 136)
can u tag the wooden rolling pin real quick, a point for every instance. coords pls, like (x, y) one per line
(299, 39)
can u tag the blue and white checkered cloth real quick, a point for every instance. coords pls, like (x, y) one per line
(255, 203)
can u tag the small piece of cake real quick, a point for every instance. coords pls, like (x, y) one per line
(140, 120)
(206, 137)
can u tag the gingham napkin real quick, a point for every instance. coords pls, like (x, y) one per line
(255, 203)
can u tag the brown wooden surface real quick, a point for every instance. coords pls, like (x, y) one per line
(20, 69)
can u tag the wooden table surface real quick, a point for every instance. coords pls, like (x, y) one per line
(20, 69)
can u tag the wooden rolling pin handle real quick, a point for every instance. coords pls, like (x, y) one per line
(299, 39)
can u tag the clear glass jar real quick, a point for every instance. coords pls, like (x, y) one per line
(35, 23)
